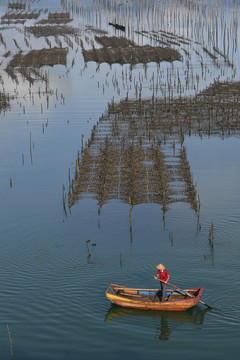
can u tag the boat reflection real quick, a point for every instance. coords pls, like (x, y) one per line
(165, 321)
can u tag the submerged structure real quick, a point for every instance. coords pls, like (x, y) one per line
(130, 158)
(123, 51)
(136, 153)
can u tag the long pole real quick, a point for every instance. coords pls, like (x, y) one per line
(187, 293)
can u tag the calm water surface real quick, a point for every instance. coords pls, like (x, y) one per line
(52, 294)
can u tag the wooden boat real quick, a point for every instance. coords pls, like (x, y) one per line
(148, 299)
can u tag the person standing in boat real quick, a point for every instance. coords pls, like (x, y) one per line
(163, 276)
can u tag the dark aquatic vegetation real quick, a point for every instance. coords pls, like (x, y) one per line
(123, 51)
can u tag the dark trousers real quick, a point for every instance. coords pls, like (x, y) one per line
(163, 290)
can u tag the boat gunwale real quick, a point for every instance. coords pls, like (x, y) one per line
(127, 300)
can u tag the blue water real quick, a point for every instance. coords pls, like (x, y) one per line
(52, 293)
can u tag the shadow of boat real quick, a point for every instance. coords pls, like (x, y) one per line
(165, 321)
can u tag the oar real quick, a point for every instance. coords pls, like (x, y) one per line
(187, 293)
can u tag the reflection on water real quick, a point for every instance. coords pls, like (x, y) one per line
(164, 322)
(208, 50)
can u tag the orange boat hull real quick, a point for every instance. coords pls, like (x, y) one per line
(146, 300)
